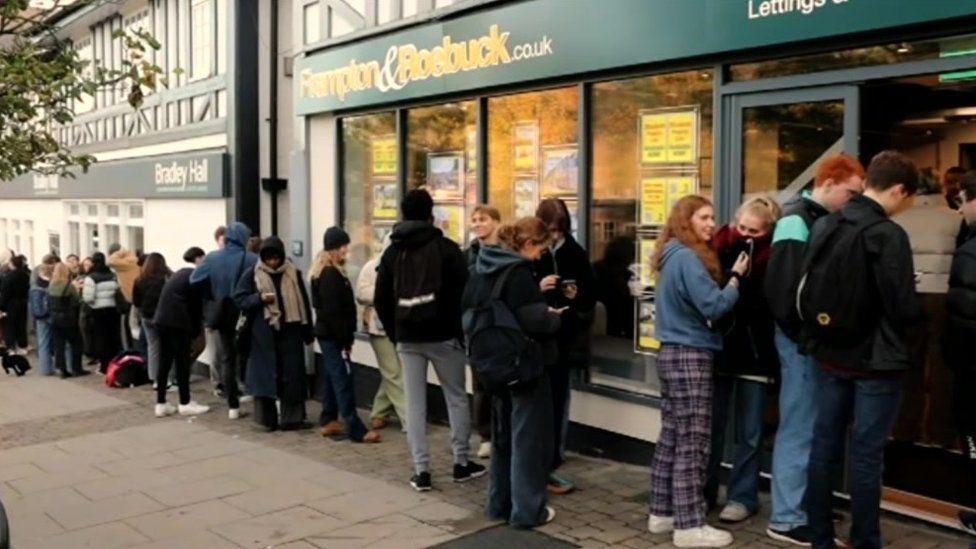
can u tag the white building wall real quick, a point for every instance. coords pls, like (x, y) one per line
(173, 225)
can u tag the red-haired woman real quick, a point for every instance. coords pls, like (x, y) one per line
(689, 300)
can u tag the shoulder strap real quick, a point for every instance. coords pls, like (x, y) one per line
(499, 284)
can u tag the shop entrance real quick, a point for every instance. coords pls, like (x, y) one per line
(777, 140)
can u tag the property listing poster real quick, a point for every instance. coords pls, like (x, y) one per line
(669, 136)
(658, 193)
(648, 245)
(384, 155)
(646, 342)
(385, 200)
(526, 146)
(449, 218)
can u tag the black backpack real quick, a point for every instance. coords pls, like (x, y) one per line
(836, 298)
(418, 280)
(500, 353)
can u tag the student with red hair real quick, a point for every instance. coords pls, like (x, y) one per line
(690, 299)
(839, 178)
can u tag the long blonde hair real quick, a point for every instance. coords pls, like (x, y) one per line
(323, 260)
(61, 273)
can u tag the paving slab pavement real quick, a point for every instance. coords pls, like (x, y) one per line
(82, 465)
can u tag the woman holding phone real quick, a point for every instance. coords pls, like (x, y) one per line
(748, 364)
(273, 297)
(691, 298)
(567, 282)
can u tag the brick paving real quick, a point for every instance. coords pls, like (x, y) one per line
(82, 465)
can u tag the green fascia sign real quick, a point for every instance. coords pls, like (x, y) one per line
(538, 39)
(187, 175)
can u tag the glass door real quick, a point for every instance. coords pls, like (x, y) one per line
(776, 140)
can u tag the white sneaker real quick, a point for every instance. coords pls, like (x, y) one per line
(703, 536)
(163, 410)
(246, 398)
(234, 413)
(484, 451)
(734, 512)
(193, 409)
(550, 514)
(660, 525)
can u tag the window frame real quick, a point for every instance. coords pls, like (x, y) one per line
(196, 33)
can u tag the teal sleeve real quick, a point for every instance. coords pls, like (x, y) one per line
(791, 228)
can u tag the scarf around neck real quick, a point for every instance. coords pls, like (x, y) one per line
(289, 302)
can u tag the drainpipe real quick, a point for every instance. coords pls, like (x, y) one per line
(272, 184)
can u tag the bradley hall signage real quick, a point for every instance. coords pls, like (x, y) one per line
(539, 39)
(192, 175)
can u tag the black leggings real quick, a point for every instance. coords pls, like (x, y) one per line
(175, 351)
(62, 337)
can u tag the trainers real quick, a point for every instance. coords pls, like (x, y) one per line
(734, 512)
(333, 428)
(246, 398)
(703, 536)
(468, 471)
(163, 410)
(660, 525)
(421, 482)
(559, 485)
(550, 514)
(234, 413)
(484, 451)
(193, 409)
(968, 521)
(800, 535)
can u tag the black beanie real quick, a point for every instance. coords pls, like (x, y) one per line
(334, 239)
(417, 206)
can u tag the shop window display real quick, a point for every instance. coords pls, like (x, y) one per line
(533, 151)
(442, 158)
(652, 144)
(369, 185)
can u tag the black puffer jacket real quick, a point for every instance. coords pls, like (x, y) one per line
(335, 307)
(960, 327)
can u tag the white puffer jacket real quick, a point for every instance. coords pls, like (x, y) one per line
(99, 291)
(932, 229)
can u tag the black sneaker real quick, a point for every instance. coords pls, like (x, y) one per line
(968, 521)
(801, 535)
(464, 473)
(421, 482)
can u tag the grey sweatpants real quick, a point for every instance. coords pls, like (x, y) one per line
(449, 365)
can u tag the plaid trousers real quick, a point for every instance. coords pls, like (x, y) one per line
(681, 454)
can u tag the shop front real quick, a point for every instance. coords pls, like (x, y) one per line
(619, 108)
(159, 203)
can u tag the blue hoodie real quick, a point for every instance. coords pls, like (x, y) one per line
(688, 302)
(217, 276)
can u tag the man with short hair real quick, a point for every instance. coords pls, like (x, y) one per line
(419, 283)
(860, 377)
(838, 179)
(960, 332)
(950, 186)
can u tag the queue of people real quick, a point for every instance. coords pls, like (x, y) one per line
(816, 301)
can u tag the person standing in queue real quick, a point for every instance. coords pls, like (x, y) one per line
(747, 366)
(273, 296)
(522, 413)
(178, 320)
(335, 328)
(689, 302)
(64, 308)
(838, 179)
(217, 277)
(566, 279)
(99, 291)
(485, 221)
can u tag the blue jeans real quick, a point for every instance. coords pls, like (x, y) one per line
(521, 440)
(750, 407)
(338, 388)
(871, 407)
(45, 347)
(791, 453)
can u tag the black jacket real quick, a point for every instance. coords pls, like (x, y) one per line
(335, 307)
(960, 326)
(411, 235)
(892, 270)
(180, 306)
(520, 293)
(14, 289)
(471, 253)
(570, 262)
(785, 268)
(145, 295)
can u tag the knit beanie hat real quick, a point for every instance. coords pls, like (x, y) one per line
(334, 239)
(417, 206)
